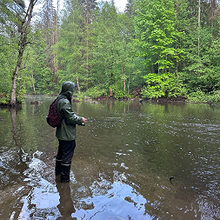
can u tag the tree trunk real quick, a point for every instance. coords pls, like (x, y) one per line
(33, 81)
(129, 84)
(77, 82)
(111, 83)
(19, 87)
(123, 71)
(13, 100)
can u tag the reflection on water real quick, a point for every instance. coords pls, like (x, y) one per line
(121, 169)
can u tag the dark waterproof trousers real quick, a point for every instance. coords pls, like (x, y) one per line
(64, 158)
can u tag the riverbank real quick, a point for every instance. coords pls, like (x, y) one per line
(184, 99)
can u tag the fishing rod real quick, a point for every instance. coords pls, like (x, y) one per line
(99, 120)
(92, 120)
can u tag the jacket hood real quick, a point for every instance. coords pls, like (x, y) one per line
(67, 89)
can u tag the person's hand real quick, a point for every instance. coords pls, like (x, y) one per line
(83, 120)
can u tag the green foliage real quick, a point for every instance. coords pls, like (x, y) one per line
(155, 85)
(201, 97)
(95, 92)
(7, 63)
(174, 87)
(163, 85)
(36, 73)
(4, 100)
(119, 91)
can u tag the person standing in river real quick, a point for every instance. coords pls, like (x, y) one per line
(66, 132)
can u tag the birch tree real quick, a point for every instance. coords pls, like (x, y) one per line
(21, 29)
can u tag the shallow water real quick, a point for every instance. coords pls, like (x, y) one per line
(132, 161)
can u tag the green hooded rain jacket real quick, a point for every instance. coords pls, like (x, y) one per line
(67, 130)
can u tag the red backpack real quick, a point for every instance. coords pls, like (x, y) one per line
(53, 118)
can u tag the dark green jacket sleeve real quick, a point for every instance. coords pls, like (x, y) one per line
(67, 130)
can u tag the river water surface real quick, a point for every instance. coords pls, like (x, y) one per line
(132, 161)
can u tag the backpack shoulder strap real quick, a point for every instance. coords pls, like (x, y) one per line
(57, 99)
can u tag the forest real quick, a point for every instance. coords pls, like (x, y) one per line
(165, 49)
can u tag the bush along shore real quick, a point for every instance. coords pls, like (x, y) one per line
(208, 100)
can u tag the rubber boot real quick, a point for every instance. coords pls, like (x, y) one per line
(58, 167)
(65, 172)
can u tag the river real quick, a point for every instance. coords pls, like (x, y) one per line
(133, 161)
